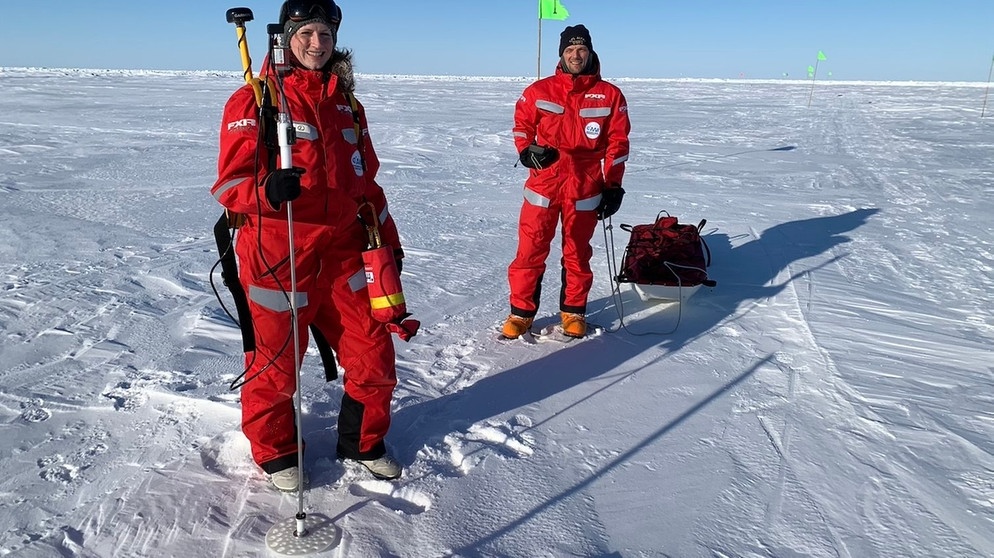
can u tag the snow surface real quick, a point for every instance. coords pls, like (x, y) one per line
(833, 396)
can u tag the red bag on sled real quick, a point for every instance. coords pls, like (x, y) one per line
(666, 253)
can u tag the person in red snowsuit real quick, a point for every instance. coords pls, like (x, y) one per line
(334, 173)
(571, 130)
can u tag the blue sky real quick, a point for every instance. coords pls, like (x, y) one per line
(944, 40)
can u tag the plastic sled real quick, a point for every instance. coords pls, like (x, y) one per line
(664, 293)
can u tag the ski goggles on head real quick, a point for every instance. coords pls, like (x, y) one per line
(303, 10)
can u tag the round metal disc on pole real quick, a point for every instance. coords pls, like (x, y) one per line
(320, 535)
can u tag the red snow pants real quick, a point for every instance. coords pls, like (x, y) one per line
(331, 295)
(537, 224)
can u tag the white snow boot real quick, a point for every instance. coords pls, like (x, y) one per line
(287, 480)
(383, 468)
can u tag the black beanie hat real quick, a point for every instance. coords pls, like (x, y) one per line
(575, 35)
(317, 11)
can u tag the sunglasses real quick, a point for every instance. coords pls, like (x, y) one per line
(302, 10)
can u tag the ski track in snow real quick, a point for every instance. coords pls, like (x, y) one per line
(831, 397)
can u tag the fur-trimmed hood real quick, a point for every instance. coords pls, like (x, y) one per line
(341, 65)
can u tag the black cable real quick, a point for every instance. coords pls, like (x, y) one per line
(241, 379)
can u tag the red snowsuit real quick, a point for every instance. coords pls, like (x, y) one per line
(586, 119)
(331, 284)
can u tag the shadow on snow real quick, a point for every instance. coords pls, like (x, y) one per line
(745, 274)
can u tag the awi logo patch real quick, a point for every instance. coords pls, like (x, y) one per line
(357, 163)
(593, 130)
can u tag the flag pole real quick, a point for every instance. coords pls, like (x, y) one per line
(986, 91)
(814, 75)
(538, 72)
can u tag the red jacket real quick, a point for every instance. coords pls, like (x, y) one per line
(586, 119)
(334, 183)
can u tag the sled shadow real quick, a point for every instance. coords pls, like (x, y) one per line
(746, 274)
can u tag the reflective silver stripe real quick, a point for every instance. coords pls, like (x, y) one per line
(588, 204)
(274, 300)
(620, 160)
(520, 135)
(349, 135)
(227, 186)
(595, 112)
(535, 198)
(550, 106)
(358, 281)
(303, 130)
(384, 215)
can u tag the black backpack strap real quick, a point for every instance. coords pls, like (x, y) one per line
(229, 274)
(327, 355)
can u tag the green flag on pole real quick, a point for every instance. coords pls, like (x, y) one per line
(552, 9)
(821, 55)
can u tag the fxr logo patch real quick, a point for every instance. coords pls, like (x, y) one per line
(595, 96)
(243, 124)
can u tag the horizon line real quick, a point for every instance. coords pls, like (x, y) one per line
(468, 77)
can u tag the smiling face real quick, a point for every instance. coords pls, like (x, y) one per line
(313, 45)
(575, 58)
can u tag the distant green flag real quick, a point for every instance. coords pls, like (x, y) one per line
(821, 55)
(811, 70)
(552, 9)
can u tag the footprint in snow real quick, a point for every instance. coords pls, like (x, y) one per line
(55, 469)
(404, 499)
(467, 450)
(34, 412)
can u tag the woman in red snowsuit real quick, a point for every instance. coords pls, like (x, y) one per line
(338, 174)
(571, 130)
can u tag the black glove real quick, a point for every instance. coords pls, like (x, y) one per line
(400, 265)
(610, 201)
(538, 156)
(283, 185)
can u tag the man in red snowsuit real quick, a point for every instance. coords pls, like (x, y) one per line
(335, 171)
(571, 130)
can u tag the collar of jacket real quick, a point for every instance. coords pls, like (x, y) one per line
(582, 81)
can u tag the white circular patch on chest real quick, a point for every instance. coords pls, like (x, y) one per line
(593, 130)
(357, 163)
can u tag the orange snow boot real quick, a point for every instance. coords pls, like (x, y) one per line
(516, 326)
(574, 325)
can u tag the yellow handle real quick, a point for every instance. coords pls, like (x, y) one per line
(247, 68)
